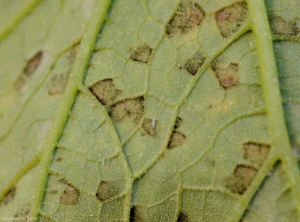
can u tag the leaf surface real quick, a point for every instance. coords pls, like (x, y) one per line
(171, 110)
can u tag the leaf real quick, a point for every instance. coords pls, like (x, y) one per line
(151, 110)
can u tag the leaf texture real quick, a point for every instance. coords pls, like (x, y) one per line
(135, 110)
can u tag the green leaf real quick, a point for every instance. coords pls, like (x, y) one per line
(135, 110)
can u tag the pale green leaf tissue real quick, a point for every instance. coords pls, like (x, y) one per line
(150, 110)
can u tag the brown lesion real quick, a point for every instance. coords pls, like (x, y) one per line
(230, 18)
(132, 108)
(105, 91)
(57, 84)
(241, 178)
(149, 127)
(280, 26)
(256, 152)
(177, 139)
(227, 76)
(33, 64)
(9, 196)
(141, 53)
(193, 64)
(70, 196)
(109, 189)
(188, 16)
(182, 217)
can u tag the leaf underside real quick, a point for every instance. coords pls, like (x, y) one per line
(157, 110)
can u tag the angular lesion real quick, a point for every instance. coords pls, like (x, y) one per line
(230, 18)
(33, 63)
(132, 108)
(149, 127)
(177, 139)
(280, 26)
(228, 76)
(256, 152)
(194, 63)
(188, 16)
(70, 196)
(141, 53)
(105, 91)
(241, 178)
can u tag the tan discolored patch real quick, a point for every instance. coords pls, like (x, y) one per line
(108, 189)
(22, 213)
(149, 127)
(229, 19)
(255, 152)
(187, 17)
(227, 76)
(279, 26)
(182, 217)
(57, 84)
(242, 177)
(70, 196)
(9, 196)
(177, 139)
(193, 64)
(136, 215)
(128, 109)
(141, 53)
(105, 91)
(19, 83)
(33, 63)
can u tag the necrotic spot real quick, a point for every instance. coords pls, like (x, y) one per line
(33, 64)
(23, 212)
(256, 152)
(105, 91)
(141, 53)
(177, 139)
(182, 217)
(279, 26)
(109, 189)
(70, 196)
(229, 19)
(227, 76)
(239, 181)
(193, 64)
(149, 127)
(128, 109)
(57, 84)
(9, 196)
(188, 16)
(136, 215)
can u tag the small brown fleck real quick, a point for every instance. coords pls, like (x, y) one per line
(141, 53)
(188, 16)
(178, 122)
(193, 64)
(33, 64)
(70, 196)
(177, 139)
(20, 82)
(230, 18)
(241, 178)
(105, 91)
